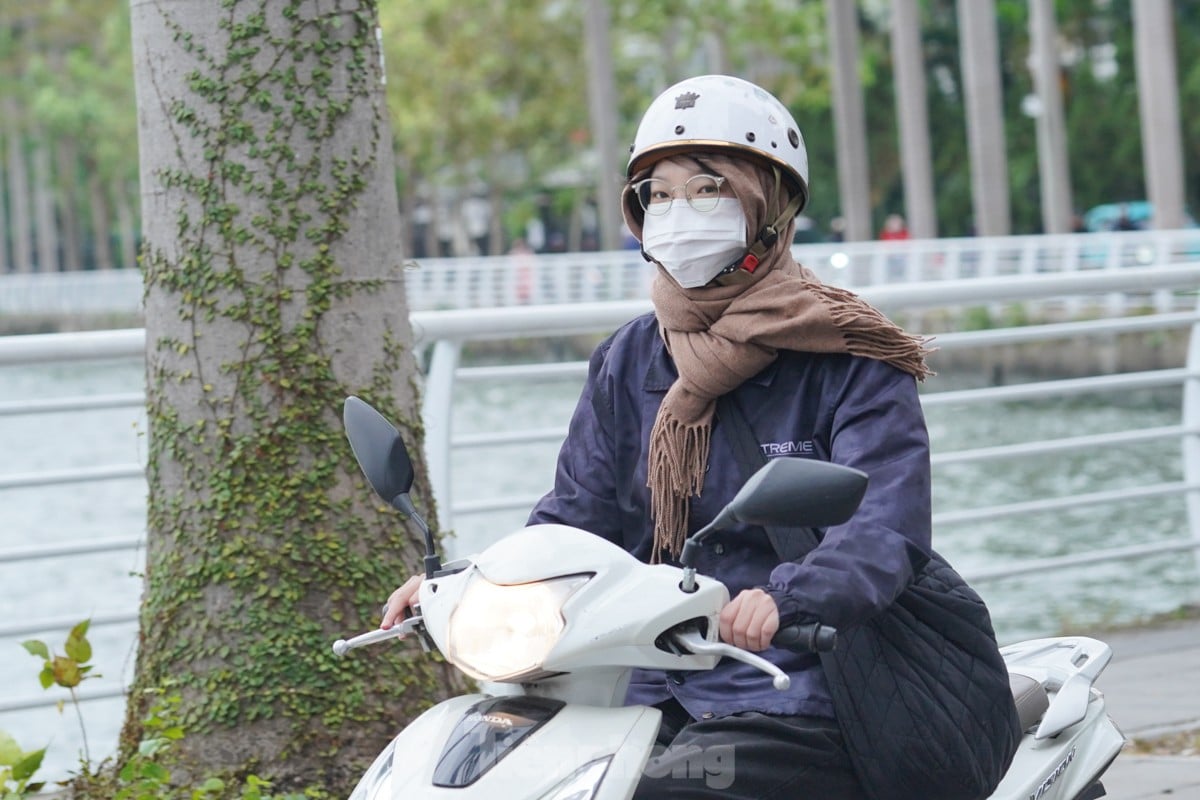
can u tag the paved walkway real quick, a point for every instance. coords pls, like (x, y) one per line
(1152, 687)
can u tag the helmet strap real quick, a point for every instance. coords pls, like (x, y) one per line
(767, 237)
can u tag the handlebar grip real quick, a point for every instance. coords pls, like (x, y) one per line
(812, 637)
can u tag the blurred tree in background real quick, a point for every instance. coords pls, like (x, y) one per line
(68, 136)
(489, 104)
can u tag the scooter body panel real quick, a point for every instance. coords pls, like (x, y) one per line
(1060, 768)
(573, 737)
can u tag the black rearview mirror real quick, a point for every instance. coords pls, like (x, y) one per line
(787, 492)
(384, 459)
(379, 450)
(798, 492)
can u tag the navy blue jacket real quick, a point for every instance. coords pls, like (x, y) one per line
(854, 411)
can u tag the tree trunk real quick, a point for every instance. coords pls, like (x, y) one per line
(496, 220)
(126, 227)
(102, 257)
(67, 155)
(273, 290)
(602, 100)
(979, 49)
(18, 191)
(43, 203)
(912, 116)
(849, 120)
(1054, 175)
(5, 261)
(1158, 105)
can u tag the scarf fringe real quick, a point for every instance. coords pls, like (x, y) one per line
(870, 334)
(678, 459)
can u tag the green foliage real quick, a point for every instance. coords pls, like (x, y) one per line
(977, 318)
(17, 768)
(147, 773)
(496, 93)
(66, 72)
(67, 670)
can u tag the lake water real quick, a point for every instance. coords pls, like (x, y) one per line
(83, 586)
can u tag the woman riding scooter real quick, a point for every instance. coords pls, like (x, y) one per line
(748, 357)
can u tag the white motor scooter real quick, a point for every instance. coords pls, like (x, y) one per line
(552, 619)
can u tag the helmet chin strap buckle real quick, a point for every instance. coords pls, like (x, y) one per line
(766, 239)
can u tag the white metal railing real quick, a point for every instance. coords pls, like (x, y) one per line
(445, 332)
(550, 279)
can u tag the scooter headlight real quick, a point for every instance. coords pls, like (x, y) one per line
(499, 632)
(583, 784)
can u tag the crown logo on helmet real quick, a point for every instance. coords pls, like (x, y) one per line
(686, 100)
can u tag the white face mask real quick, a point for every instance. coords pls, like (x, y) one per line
(694, 246)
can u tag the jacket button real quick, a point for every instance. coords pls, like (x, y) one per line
(719, 549)
(676, 679)
(707, 715)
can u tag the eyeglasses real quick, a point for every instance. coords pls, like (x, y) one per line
(701, 192)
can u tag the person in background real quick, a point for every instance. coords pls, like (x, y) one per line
(837, 229)
(1124, 221)
(894, 228)
(524, 262)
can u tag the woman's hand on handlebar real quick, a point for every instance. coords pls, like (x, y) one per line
(401, 602)
(750, 620)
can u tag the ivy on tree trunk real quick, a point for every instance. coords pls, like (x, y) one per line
(273, 289)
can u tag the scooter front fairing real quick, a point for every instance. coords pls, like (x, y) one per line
(517, 746)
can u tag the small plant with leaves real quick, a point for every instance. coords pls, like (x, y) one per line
(17, 769)
(67, 670)
(147, 772)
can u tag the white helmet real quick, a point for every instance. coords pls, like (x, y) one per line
(720, 112)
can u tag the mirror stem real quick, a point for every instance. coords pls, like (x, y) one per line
(404, 504)
(687, 559)
(688, 584)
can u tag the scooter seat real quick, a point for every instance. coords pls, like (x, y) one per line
(1031, 698)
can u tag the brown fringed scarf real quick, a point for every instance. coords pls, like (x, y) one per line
(719, 336)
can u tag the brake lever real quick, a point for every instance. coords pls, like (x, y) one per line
(411, 625)
(694, 642)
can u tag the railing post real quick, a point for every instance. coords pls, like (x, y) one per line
(1164, 299)
(1191, 439)
(436, 409)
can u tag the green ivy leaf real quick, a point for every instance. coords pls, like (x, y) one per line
(77, 645)
(155, 772)
(37, 648)
(10, 751)
(149, 747)
(23, 770)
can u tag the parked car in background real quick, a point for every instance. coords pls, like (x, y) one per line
(1133, 215)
